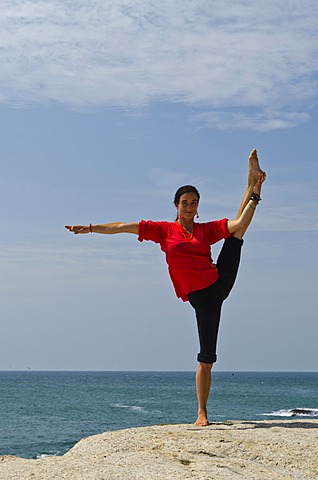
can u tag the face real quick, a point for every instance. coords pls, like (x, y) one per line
(188, 206)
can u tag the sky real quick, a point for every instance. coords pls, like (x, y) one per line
(106, 108)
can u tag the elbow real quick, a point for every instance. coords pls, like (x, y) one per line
(235, 225)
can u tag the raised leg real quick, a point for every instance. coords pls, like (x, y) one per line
(255, 179)
(253, 174)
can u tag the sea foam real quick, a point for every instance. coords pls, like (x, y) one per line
(294, 412)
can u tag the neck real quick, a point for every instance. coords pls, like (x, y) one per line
(187, 225)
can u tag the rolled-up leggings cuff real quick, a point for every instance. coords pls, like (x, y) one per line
(206, 358)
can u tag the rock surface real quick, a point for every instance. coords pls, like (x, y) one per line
(271, 450)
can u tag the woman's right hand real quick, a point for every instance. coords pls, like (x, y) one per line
(78, 229)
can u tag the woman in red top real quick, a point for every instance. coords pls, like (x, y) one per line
(187, 246)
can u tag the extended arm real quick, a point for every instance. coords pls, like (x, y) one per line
(106, 228)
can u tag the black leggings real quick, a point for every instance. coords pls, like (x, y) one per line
(207, 303)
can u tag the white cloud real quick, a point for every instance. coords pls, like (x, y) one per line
(164, 178)
(259, 121)
(274, 214)
(286, 219)
(241, 54)
(55, 258)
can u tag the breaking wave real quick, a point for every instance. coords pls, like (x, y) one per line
(294, 412)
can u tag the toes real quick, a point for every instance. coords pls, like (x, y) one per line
(202, 424)
(253, 153)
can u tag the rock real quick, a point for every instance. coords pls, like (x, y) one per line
(271, 450)
(302, 411)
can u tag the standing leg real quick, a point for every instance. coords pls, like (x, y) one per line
(203, 383)
(207, 304)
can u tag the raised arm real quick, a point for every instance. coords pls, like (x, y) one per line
(242, 222)
(106, 228)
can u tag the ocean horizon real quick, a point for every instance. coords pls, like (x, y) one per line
(44, 413)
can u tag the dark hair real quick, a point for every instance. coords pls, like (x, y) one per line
(185, 189)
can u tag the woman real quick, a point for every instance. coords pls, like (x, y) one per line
(187, 245)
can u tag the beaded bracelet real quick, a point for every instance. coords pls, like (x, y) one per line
(256, 198)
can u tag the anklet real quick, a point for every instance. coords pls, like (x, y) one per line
(256, 198)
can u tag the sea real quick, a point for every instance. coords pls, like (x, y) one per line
(47, 413)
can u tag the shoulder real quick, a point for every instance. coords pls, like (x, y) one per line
(206, 225)
(215, 230)
(212, 224)
(161, 224)
(154, 230)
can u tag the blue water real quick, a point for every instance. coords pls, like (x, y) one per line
(46, 413)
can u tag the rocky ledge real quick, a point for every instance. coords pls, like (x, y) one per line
(271, 450)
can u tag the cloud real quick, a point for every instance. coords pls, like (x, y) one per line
(165, 178)
(274, 215)
(241, 54)
(286, 219)
(259, 121)
(56, 258)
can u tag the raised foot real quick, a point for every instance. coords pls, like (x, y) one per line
(254, 170)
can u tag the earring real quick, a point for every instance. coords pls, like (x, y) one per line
(198, 216)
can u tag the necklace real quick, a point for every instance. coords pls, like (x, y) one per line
(184, 232)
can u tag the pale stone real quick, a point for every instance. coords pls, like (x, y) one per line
(271, 450)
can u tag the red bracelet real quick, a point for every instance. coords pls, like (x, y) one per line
(90, 228)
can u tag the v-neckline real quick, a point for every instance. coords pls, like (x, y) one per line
(184, 232)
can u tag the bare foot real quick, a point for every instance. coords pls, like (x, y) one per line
(262, 178)
(202, 420)
(254, 170)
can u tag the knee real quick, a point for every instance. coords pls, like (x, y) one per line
(206, 367)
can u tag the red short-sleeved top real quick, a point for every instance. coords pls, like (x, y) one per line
(189, 258)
